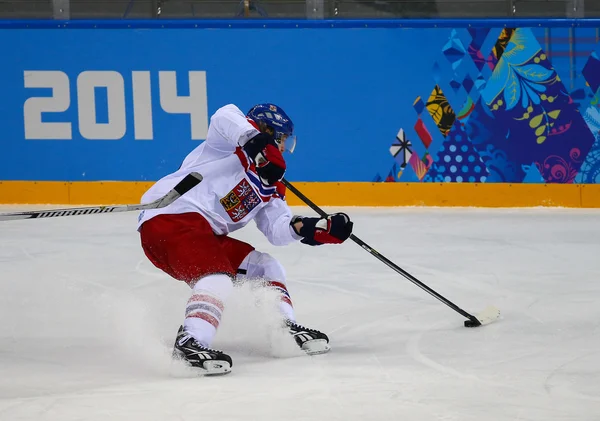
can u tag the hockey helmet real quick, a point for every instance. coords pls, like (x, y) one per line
(277, 120)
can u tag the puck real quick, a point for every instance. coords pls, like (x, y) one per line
(472, 323)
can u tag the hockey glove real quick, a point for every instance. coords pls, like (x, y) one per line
(317, 231)
(267, 158)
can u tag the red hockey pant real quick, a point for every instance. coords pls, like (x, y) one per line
(185, 247)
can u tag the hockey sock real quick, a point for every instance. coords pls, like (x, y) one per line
(205, 307)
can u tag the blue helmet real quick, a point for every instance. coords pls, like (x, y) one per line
(275, 118)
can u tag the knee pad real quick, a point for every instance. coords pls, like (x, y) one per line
(262, 265)
(268, 272)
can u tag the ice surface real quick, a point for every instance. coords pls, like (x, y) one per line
(88, 322)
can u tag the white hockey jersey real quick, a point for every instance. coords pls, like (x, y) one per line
(231, 193)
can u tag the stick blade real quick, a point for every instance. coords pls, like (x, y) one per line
(489, 315)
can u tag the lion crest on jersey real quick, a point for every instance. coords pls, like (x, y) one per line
(240, 201)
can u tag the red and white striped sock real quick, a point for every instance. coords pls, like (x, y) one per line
(205, 307)
(285, 306)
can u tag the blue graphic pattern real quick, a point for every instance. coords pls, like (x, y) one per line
(457, 160)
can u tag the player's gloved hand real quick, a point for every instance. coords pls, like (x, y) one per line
(267, 158)
(317, 231)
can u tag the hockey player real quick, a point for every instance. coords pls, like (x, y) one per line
(242, 165)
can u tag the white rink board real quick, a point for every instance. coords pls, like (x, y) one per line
(87, 323)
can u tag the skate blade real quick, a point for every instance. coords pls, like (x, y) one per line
(316, 347)
(216, 368)
(182, 368)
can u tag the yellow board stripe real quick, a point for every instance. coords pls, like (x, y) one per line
(327, 194)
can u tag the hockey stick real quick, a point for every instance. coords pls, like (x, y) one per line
(487, 316)
(189, 182)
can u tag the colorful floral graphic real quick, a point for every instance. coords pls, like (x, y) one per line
(516, 119)
(457, 160)
(590, 169)
(440, 110)
(500, 47)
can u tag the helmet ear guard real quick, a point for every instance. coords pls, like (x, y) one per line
(265, 128)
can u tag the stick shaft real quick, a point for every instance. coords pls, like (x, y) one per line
(185, 185)
(380, 257)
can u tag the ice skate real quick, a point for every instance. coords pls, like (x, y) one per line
(208, 361)
(310, 341)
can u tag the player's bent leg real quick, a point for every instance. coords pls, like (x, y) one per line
(265, 268)
(185, 247)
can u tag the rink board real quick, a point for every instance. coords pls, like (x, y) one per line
(330, 194)
(387, 112)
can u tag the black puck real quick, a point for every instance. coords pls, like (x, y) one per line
(472, 323)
